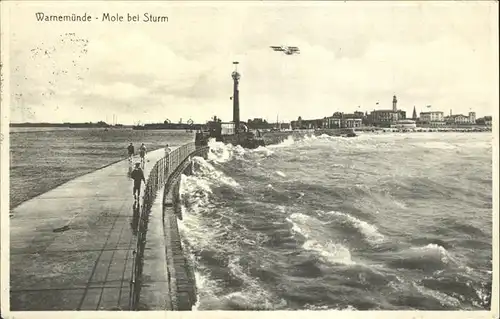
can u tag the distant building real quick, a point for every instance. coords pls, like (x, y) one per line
(359, 114)
(383, 116)
(296, 124)
(386, 117)
(487, 121)
(227, 128)
(472, 117)
(341, 120)
(258, 123)
(433, 118)
(457, 119)
(461, 119)
(306, 124)
(414, 116)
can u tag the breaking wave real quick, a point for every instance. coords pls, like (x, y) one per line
(317, 223)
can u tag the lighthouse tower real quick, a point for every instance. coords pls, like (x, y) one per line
(394, 104)
(236, 98)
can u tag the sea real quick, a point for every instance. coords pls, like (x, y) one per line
(381, 221)
(43, 158)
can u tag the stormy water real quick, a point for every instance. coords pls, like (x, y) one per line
(389, 221)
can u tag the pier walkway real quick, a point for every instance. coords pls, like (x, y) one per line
(74, 247)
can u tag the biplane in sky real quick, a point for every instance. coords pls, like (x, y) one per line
(286, 49)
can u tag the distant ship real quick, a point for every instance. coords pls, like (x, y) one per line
(166, 125)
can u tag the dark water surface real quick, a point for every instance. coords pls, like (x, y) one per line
(374, 222)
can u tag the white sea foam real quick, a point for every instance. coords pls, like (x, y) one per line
(369, 231)
(287, 142)
(238, 272)
(331, 252)
(310, 137)
(483, 295)
(297, 219)
(281, 208)
(195, 192)
(222, 153)
(443, 298)
(296, 228)
(313, 307)
(252, 299)
(434, 249)
(209, 173)
(280, 173)
(253, 294)
(262, 150)
(201, 285)
(399, 204)
(195, 197)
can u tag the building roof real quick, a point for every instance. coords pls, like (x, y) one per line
(431, 112)
(388, 110)
(456, 115)
(358, 115)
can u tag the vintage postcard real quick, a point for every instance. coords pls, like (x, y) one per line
(244, 159)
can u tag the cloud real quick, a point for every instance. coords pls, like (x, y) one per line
(352, 55)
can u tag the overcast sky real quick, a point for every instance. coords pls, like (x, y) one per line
(353, 55)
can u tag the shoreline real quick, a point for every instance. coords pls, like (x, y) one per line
(424, 130)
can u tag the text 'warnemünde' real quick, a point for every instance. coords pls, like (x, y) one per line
(106, 17)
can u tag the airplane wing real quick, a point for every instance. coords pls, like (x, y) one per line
(294, 49)
(276, 48)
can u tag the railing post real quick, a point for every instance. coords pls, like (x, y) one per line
(159, 169)
(168, 162)
(158, 176)
(162, 167)
(167, 168)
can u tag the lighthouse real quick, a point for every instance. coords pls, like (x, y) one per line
(236, 97)
(394, 104)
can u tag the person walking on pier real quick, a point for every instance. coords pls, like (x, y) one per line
(138, 176)
(130, 149)
(142, 152)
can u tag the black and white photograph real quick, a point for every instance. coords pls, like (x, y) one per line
(338, 158)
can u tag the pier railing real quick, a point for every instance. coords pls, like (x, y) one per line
(157, 178)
